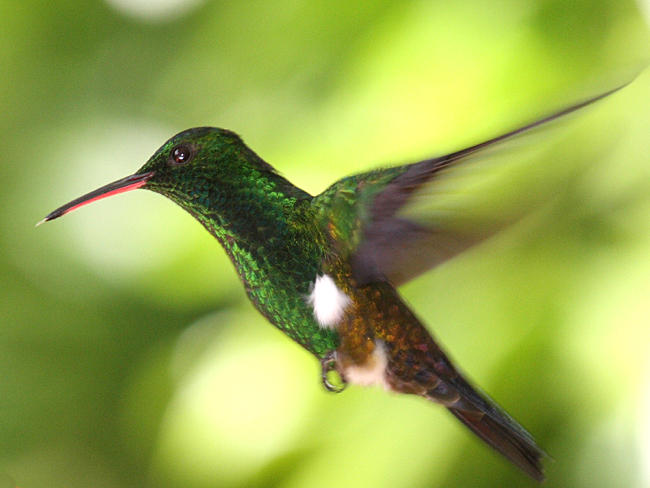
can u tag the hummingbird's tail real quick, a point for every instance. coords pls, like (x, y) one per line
(446, 385)
(507, 437)
(440, 382)
(415, 364)
(486, 419)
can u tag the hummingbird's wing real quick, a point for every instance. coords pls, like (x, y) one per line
(371, 217)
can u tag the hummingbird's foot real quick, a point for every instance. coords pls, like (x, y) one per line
(331, 378)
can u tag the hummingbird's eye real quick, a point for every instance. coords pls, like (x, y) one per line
(181, 155)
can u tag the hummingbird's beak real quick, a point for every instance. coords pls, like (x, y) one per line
(120, 186)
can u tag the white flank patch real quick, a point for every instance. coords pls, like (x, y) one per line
(328, 301)
(373, 372)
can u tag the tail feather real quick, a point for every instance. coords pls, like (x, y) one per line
(417, 365)
(488, 421)
(515, 444)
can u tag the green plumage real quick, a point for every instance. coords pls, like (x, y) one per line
(324, 269)
(266, 225)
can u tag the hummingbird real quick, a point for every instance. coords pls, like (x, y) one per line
(325, 269)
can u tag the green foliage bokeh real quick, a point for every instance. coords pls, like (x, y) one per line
(129, 355)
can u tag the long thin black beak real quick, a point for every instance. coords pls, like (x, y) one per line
(120, 186)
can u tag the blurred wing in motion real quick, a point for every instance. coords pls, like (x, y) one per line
(393, 238)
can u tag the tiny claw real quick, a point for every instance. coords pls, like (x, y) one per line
(328, 366)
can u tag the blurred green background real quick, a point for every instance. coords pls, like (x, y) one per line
(129, 355)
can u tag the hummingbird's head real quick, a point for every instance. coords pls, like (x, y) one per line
(201, 154)
(204, 165)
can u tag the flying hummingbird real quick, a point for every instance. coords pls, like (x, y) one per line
(324, 269)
